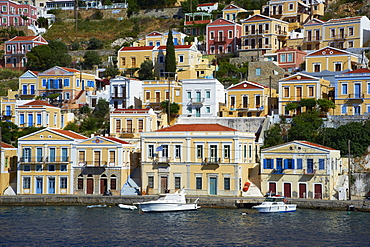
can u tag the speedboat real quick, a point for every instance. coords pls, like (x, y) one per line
(129, 207)
(275, 204)
(169, 203)
(97, 206)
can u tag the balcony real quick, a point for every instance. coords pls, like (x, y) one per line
(93, 167)
(196, 101)
(312, 39)
(59, 159)
(218, 40)
(309, 171)
(339, 36)
(243, 108)
(31, 159)
(211, 161)
(278, 171)
(42, 159)
(118, 96)
(356, 97)
(127, 132)
(161, 160)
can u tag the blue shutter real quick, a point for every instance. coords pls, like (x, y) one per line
(43, 82)
(292, 163)
(321, 164)
(285, 164)
(299, 163)
(272, 163)
(66, 82)
(21, 119)
(264, 164)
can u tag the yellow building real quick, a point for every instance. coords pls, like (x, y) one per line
(159, 39)
(205, 159)
(313, 35)
(65, 83)
(45, 162)
(187, 57)
(157, 91)
(263, 33)
(130, 123)
(38, 113)
(8, 104)
(233, 13)
(205, 69)
(248, 99)
(300, 169)
(352, 93)
(102, 164)
(301, 86)
(333, 59)
(8, 168)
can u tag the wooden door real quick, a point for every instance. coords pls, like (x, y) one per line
(90, 186)
(318, 191)
(302, 191)
(213, 186)
(287, 189)
(272, 188)
(163, 184)
(103, 185)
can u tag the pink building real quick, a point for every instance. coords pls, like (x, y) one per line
(223, 36)
(17, 48)
(289, 59)
(16, 14)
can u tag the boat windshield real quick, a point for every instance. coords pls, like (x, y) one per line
(274, 199)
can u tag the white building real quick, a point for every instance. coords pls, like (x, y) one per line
(125, 92)
(207, 7)
(201, 97)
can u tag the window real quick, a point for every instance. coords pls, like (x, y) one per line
(3, 8)
(181, 58)
(350, 31)
(123, 61)
(316, 67)
(177, 182)
(310, 91)
(350, 44)
(291, 6)
(67, 96)
(299, 163)
(26, 168)
(211, 35)
(112, 157)
(230, 34)
(80, 183)
(177, 151)
(150, 43)
(227, 151)
(164, 150)
(290, 58)
(118, 125)
(200, 151)
(332, 33)
(113, 182)
(147, 95)
(21, 119)
(344, 89)
(338, 66)
(208, 109)
(150, 182)
(268, 164)
(286, 91)
(228, 17)
(141, 125)
(344, 109)
(157, 43)
(226, 183)
(282, 58)
(212, 49)
(208, 94)
(150, 151)
(38, 119)
(288, 164)
(64, 154)
(39, 168)
(63, 168)
(26, 183)
(198, 182)
(321, 164)
(63, 183)
(66, 82)
(78, 83)
(51, 168)
(368, 88)
(161, 59)
(258, 71)
(133, 62)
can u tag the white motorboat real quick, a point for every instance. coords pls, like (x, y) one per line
(169, 203)
(128, 207)
(275, 204)
(97, 206)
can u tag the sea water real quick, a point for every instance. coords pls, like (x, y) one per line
(112, 226)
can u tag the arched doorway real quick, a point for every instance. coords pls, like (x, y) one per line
(103, 184)
(113, 182)
(90, 184)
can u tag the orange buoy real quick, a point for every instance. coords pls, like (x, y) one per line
(246, 186)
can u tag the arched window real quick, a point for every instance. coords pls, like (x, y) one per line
(80, 182)
(113, 182)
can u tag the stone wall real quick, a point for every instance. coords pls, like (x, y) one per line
(267, 69)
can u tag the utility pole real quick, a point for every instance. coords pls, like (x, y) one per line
(270, 100)
(349, 170)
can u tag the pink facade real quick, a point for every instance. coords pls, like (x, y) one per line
(223, 36)
(16, 14)
(289, 59)
(17, 48)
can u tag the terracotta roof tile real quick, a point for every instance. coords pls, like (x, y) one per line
(70, 70)
(358, 71)
(130, 111)
(163, 47)
(137, 48)
(38, 103)
(196, 127)
(116, 140)
(4, 145)
(316, 145)
(23, 38)
(69, 133)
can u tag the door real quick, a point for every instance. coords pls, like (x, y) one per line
(30, 120)
(52, 155)
(38, 185)
(129, 126)
(213, 157)
(96, 158)
(27, 154)
(356, 110)
(287, 189)
(90, 186)
(213, 186)
(163, 184)
(279, 165)
(318, 191)
(272, 188)
(103, 185)
(357, 90)
(198, 96)
(8, 111)
(302, 191)
(51, 187)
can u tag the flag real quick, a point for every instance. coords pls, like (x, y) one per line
(160, 148)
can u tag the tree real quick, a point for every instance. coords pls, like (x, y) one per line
(174, 107)
(146, 70)
(95, 43)
(273, 136)
(305, 126)
(291, 106)
(43, 57)
(325, 104)
(308, 103)
(189, 6)
(111, 71)
(43, 22)
(91, 58)
(9, 132)
(170, 60)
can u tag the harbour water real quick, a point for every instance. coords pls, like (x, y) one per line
(112, 226)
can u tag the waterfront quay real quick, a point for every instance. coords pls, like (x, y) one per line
(357, 204)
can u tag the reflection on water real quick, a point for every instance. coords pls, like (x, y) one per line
(112, 226)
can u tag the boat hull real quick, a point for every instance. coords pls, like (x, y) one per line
(167, 207)
(128, 207)
(276, 209)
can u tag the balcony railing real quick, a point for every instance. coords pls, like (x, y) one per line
(356, 96)
(312, 39)
(309, 171)
(339, 36)
(243, 107)
(278, 171)
(44, 159)
(127, 130)
(96, 163)
(212, 161)
(161, 160)
(118, 95)
(196, 101)
(219, 40)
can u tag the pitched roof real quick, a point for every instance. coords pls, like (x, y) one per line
(137, 48)
(345, 19)
(196, 127)
(69, 133)
(38, 103)
(358, 71)
(70, 70)
(247, 85)
(206, 4)
(130, 111)
(316, 145)
(4, 145)
(23, 38)
(116, 140)
(163, 47)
